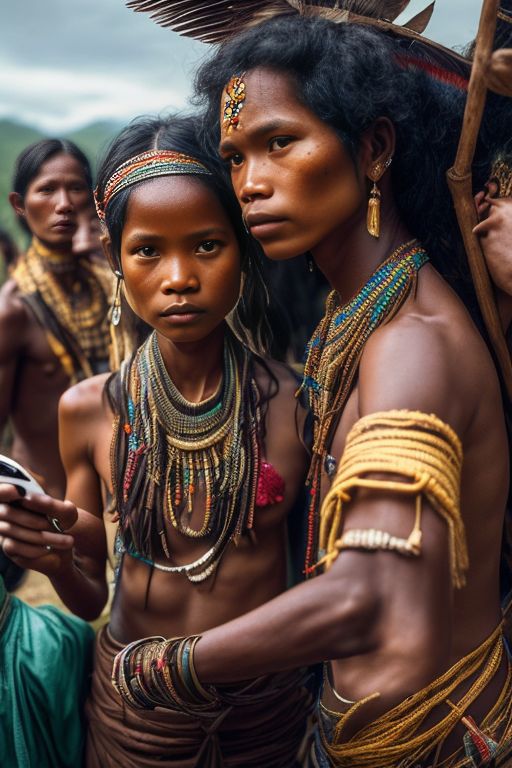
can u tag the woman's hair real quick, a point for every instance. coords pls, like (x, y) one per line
(251, 320)
(29, 161)
(349, 75)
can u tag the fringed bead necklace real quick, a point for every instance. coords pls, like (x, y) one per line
(169, 452)
(334, 353)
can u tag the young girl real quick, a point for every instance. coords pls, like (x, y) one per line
(196, 440)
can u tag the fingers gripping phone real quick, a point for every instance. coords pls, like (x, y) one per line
(13, 473)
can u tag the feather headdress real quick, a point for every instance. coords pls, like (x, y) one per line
(213, 21)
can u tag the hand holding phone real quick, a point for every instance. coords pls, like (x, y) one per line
(13, 473)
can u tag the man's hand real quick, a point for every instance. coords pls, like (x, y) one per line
(495, 233)
(499, 72)
(29, 537)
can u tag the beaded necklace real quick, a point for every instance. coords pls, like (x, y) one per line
(77, 331)
(333, 355)
(169, 450)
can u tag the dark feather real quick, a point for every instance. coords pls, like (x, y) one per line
(420, 22)
(213, 21)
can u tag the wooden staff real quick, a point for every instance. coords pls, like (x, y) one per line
(460, 181)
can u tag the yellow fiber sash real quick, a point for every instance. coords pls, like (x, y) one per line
(396, 738)
(422, 449)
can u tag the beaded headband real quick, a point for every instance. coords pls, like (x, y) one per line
(148, 165)
(501, 173)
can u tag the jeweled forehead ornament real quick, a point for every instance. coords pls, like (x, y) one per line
(233, 105)
(147, 165)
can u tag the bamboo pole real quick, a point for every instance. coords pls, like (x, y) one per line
(460, 179)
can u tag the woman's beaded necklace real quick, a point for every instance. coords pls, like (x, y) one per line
(333, 355)
(170, 450)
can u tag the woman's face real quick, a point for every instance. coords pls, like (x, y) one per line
(53, 200)
(180, 258)
(296, 184)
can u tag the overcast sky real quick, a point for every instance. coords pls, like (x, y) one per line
(65, 63)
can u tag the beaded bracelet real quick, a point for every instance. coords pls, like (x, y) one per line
(154, 672)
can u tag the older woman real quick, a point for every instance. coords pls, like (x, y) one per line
(54, 307)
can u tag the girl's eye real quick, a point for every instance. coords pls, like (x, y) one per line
(280, 142)
(209, 246)
(147, 252)
(236, 159)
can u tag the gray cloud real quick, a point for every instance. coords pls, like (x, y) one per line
(66, 62)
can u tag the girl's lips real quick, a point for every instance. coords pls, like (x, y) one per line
(182, 318)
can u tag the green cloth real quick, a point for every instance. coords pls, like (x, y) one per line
(45, 665)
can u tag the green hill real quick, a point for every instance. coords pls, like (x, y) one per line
(14, 137)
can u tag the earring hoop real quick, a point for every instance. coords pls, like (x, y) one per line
(115, 317)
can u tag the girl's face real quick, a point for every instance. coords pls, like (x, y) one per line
(296, 183)
(53, 200)
(180, 258)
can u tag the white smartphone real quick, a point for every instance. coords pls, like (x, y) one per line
(13, 473)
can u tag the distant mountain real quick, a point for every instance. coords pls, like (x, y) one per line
(14, 137)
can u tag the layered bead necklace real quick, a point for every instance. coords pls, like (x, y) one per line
(333, 355)
(83, 336)
(166, 451)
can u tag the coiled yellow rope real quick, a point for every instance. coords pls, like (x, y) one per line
(393, 739)
(423, 450)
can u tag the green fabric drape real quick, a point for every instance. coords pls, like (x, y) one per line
(45, 665)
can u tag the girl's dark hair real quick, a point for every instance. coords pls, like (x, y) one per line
(252, 318)
(29, 161)
(349, 75)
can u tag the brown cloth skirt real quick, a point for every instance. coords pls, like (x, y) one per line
(270, 732)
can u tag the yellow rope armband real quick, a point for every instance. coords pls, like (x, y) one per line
(423, 450)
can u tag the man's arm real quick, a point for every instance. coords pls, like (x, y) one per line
(13, 329)
(365, 598)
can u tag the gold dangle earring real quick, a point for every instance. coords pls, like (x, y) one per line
(373, 214)
(115, 317)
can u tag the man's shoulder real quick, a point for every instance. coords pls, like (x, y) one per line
(432, 364)
(14, 313)
(10, 298)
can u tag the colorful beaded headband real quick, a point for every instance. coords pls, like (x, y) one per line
(501, 173)
(148, 165)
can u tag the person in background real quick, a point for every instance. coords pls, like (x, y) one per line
(494, 208)
(53, 308)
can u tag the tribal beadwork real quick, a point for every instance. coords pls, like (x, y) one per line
(75, 323)
(236, 94)
(147, 165)
(334, 353)
(170, 453)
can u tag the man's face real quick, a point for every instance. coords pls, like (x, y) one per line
(296, 183)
